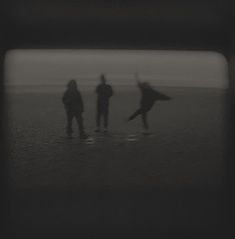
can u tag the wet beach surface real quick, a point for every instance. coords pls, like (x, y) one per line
(171, 180)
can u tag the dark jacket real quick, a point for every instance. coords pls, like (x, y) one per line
(104, 92)
(149, 96)
(72, 100)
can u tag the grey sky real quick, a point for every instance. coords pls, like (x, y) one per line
(169, 68)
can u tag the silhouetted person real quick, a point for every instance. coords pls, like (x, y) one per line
(104, 92)
(74, 108)
(148, 97)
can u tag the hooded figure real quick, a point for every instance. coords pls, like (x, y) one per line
(104, 92)
(74, 108)
(148, 97)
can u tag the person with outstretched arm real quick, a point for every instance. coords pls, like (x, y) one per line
(148, 98)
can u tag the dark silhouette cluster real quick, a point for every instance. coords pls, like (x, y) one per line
(74, 107)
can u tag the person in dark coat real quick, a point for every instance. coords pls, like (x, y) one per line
(148, 98)
(74, 108)
(104, 92)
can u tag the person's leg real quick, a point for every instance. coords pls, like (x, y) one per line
(145, 120)
(106, 115)
(106, 118)
(79, 119)
(69, 123)
(98, 116)
(135, 114)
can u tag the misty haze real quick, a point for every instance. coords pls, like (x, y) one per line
(162, 68)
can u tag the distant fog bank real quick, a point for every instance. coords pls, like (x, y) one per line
(160, 68)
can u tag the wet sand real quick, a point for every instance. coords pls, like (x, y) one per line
(173, 178)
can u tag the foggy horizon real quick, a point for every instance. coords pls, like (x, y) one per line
(160, 68)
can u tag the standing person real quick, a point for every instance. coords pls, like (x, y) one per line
(104, 92)
(148, 97)
(74, 108)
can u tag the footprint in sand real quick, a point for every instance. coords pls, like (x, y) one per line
(132, 138)
(90, 141)
(136, 137)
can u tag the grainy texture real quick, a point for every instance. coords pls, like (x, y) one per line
(106, 182)
(186, 149)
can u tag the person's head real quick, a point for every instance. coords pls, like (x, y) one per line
(102, 79)
(72, 84)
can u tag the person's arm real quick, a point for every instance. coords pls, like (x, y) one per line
(81, 102)
(163, 97)
(97, 89)
(65, 98)
(138, 82)
(111, 91)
